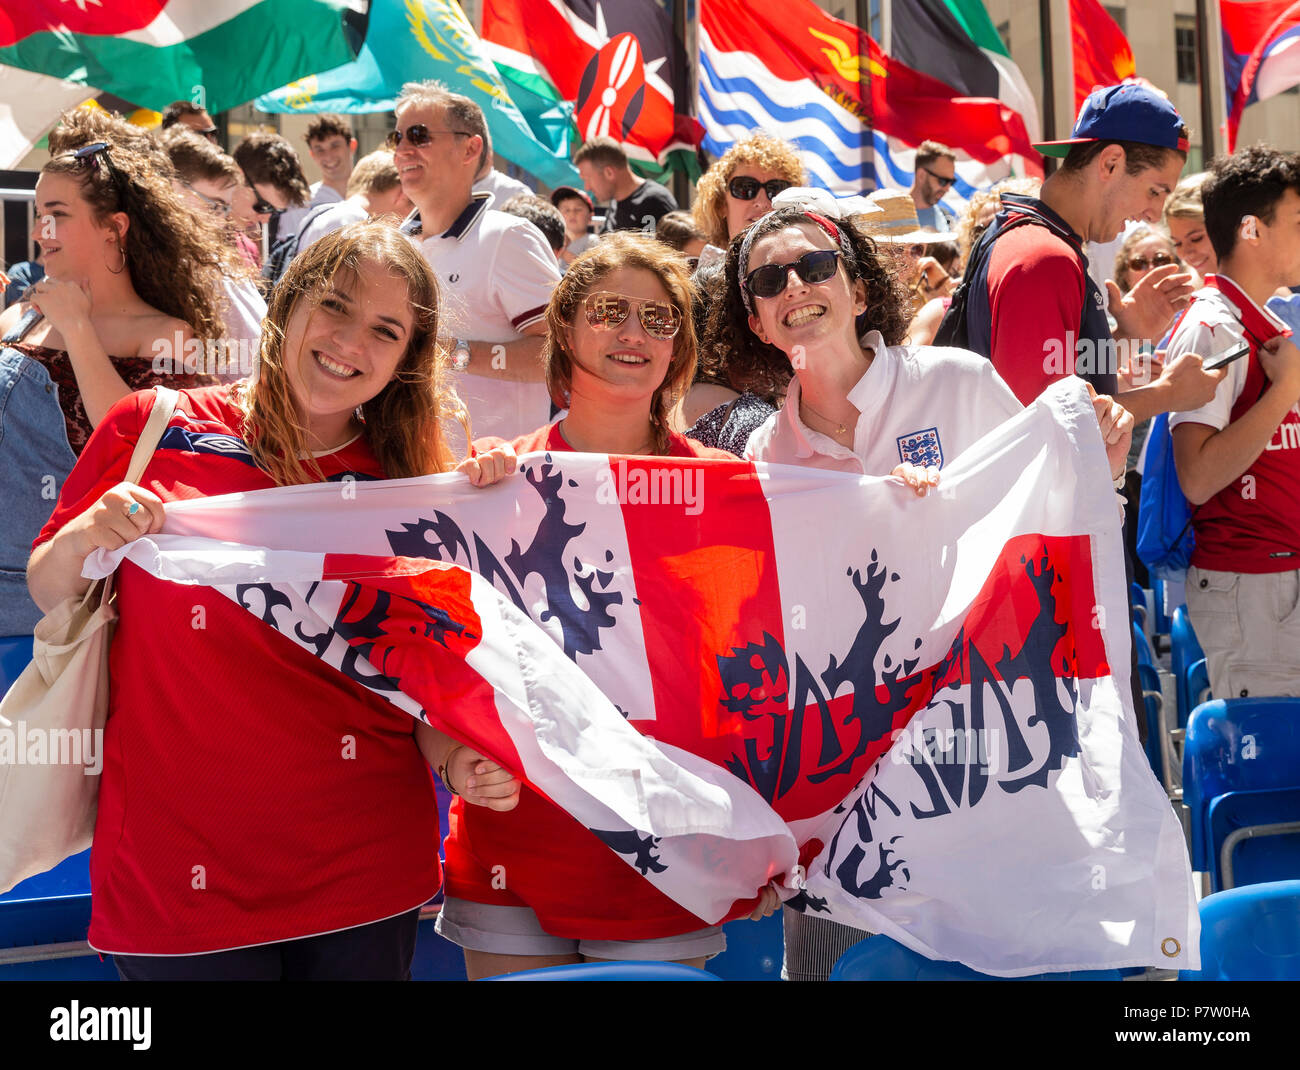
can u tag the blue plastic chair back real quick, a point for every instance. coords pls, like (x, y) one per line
(1250, 934)
(1198, 684)
(15, 653)
(881, 959)
(1144, 654)
(612, 971)
(1242, 744)
(1261, 858)
(1185, 649)
(1150, 681)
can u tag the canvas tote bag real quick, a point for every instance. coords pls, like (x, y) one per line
(55, 712)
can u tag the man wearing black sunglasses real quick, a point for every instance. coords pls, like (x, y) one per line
(936, 171)
(496, 271)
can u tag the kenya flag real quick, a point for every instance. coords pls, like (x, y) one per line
(902, 709)
(217, 53)
(620, 65)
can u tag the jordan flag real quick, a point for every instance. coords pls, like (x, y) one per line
(216, 53)
(901, 709)
(620, 64)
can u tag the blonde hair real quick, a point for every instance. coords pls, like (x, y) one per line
(968, 230)
(623, 249)
(758, 150)
(374, 173)
(1185, 201)
(403, 422)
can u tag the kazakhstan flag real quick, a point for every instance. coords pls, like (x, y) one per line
(411, 40)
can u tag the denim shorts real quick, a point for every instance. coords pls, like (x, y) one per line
(35, 459)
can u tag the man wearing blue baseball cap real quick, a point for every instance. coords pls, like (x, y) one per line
(1029, 303)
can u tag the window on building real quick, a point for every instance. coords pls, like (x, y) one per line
(1119, 14)
(1004, 31)
(1185, 48)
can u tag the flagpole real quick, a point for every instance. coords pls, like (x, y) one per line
(864, 27)
(1207, 100)
(683, 25)
(1049, 77)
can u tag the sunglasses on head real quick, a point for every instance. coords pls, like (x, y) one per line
(607, 311)
(943, 180)
(90, 156)
(418, 135)
(744, 188)
(771, 279)
(1141, 263)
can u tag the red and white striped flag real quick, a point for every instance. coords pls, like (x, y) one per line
(907, 701)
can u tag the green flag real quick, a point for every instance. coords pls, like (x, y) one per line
(422, 39)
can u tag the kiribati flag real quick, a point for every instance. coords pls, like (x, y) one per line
(1261, 54)
(854, 113)
(902, 709)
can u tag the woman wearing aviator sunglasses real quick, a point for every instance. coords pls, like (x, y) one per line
(619, 347)
(859, 401)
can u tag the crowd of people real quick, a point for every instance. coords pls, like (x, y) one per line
(419, 296)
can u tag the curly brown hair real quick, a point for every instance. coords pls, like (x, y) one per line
(403, 422)
(759, 150)
(270, 159)
(177, 259)
(623, 249)
(746, 362)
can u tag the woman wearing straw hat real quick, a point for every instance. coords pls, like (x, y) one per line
(896, 224)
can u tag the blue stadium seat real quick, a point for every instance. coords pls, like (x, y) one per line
(1254, 837)
(1185, 650)
(1137, 601)
(1241, 745)
(612, 971)
(1144, 653)
(882, 959)
(15, 653)
(1250, 934)
(1153, 701)
(41, 922)
(1198, 683)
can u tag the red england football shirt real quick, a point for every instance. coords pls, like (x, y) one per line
(250, 793)
(538, 856)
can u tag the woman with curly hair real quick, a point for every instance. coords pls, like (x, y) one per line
(278, 821)
(132, 292)
(818, 293)
(722, 408)
(619, 347)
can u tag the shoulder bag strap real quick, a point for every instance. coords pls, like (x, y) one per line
(164, 407)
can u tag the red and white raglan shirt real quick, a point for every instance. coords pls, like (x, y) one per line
(577, 887)
(250, 792)
(495, 277)
(1251, 533)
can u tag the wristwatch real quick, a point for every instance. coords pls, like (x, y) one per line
(460, 355)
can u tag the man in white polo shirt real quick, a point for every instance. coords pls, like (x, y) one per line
(495, 271)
